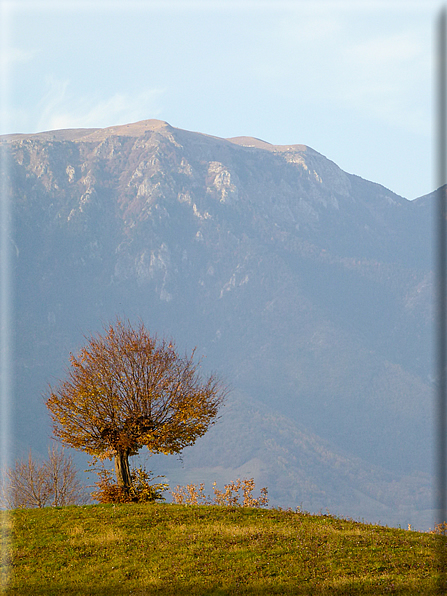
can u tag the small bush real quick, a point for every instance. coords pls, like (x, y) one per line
(439, 529)
(140, 491)
(193, 494)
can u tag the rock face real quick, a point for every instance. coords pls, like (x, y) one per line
(308, 289)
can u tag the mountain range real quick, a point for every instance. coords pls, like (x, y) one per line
(307, 289)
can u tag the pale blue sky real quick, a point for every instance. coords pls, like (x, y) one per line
(353, 80)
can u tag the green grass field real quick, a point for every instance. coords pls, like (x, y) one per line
(166, 549)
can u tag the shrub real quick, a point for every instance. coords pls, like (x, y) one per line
(439, 529)
(140, 491)
(193, 494)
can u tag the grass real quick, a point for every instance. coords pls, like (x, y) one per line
(166, 549)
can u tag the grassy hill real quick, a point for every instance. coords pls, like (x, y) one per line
(166, 549)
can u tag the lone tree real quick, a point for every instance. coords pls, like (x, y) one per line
(126, 390)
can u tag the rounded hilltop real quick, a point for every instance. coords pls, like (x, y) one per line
(134, 129)
(260, 144)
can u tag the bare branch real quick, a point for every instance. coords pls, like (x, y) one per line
(32, 484)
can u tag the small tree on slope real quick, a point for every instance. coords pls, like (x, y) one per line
(33, 483)
(126, 390)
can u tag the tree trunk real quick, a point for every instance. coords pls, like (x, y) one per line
(122, 469)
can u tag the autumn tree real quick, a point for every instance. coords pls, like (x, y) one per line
(125, 390)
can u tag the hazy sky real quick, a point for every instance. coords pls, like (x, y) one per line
(353, 80)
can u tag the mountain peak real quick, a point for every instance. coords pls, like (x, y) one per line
(134, 129)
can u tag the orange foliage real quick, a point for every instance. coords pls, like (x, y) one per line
(141, 491)
(193, 495)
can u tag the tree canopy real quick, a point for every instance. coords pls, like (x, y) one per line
(125, 390)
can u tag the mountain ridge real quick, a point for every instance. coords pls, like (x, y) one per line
(308, 288)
